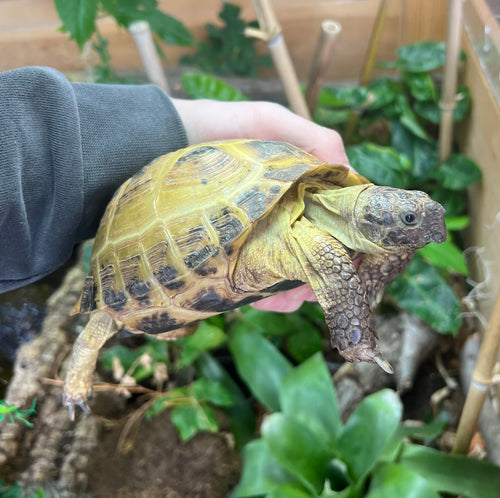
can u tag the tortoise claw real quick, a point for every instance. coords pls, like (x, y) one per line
(70, 403)
(383, 364)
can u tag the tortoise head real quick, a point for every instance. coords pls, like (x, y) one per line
(394, 218)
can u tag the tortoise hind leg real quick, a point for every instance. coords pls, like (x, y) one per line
(340, 292)
(78, 383)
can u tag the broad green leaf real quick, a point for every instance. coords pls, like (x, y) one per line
(381, 165)
(288, 491)
(78, 18)
(170, 30)
(190, 419)
(422, 56)
(307, 395)
(421, 85)
(381, 93)
(268, 322)
(296, 449)
(304, 342)
(395, 481)
(207, 336)
(409, 119)
(241, 413)
(212, 391)
(368, 431)
(423, 154)
(446, 255)
(261, 472)
(458, 172)
(456, 474)
(331, 117)
(457, 223)
(453, 201)
(259, 364)
(422, 290)
(204, 86)
(342, 96)
(429, 109)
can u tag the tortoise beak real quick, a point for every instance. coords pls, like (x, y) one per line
(436, 227)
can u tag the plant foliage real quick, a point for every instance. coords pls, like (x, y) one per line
(305, 450)
(227, 50)
(79, 19)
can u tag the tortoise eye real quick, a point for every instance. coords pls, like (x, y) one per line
(409, 218)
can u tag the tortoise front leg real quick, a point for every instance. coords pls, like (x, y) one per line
(78, 383)
(338, 288)
(379, 270)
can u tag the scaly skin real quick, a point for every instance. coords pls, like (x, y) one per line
(78, 383)
(338, 288)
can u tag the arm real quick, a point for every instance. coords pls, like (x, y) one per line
(64, 149)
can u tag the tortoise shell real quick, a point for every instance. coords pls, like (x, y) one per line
(182, 219)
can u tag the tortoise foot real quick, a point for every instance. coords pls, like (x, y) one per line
(76, 392)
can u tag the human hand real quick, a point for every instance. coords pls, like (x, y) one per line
(207, 120)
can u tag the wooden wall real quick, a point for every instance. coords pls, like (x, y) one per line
(479, 138)
(29, 36)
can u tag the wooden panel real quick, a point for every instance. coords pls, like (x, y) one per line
(478, 139)
(28, 33)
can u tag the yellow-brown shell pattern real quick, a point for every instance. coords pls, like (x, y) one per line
(183, 218)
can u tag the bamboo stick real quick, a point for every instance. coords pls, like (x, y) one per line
(368, 64)
(150, 60)
(322, 58)
(270, 32)
(480, 382)
(449, 86)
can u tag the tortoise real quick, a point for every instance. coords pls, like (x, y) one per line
(210, 227)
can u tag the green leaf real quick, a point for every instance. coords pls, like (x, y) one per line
(204, 86)
(423, 154)
(381, 165)
(342, 96)
(296, 449)
(456, 474)
(368, 431)
(457, 223)
(78, 18)
(240, 412)
(304, 342)
(331, 117)
(395, 481)
(259, 364)
(421, 85)
(261, 472)
(268, 322)
(409, 119)
(429, 109)
(458, 172)
(381, 93)
(307, 395)
(212, 391)
(207, 336)
(191, 419)
(454, 202)
(446, 255)
(422, 290)
(170, 30)
(422, 56)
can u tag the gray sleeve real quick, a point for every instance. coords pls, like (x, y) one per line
(64, 149)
